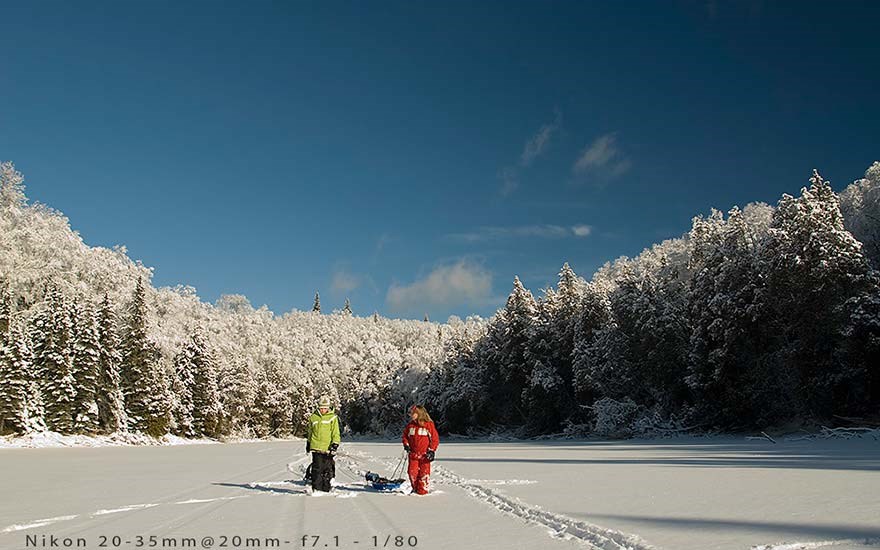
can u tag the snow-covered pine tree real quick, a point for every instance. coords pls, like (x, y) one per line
(641, 353)
(507, 369)
(51, 337)
(860, 206)
(160, 403)
(86, 354)
(111, 403)
(316, 308)
(567, 304)
(145, 383)
(549, 394)
(814, 266)
(16, 364)
(272, 407)
(206, 397)
(182, 386)
(22, 399)
(545, 400)
(730, 322)
(455, 390)
(605, 361)
(662, 330)
(860, 350)
(237, 393)
(594, 315)
(5, 311)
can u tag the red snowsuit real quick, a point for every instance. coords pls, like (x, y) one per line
(420, 439)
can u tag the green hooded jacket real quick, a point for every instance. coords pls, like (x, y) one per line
(323, 430)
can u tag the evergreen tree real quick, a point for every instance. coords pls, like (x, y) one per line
(86, 355)
(729, 327)
(206, 396)
(457, 389)
(508, 370)
(860, 206)
(16, 364)
(182, 387)
(199, 398)
(544, 397)
(860, 350)
(237, 393)
(605, 362)
(5, 311)
(641, 353)
(111, 403)
(145, 383)
(814, 266)
(594, 315)
(317, 307)
(159, 407)
(549, 395)
(51, 337)
(273, 409)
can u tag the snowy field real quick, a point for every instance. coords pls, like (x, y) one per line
(699, 493)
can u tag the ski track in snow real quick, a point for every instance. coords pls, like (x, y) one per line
(501, 481)
(37, 523)
(103, 512)
(867, 543)
(200, 500)
(558, 526)
(128, 508)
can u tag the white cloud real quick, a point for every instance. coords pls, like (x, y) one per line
(581, 230)
(344, 282)
(460, 283)
(535, 146)
(603, 154)
(547, 231)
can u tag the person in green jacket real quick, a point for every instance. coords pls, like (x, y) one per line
(323, 441)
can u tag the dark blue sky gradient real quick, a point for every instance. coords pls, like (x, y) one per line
(262, 147)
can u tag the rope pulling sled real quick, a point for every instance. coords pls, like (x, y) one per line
(385, 485)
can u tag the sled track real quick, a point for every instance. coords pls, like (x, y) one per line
(558, 526)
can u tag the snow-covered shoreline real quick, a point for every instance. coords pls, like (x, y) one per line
(49, 439)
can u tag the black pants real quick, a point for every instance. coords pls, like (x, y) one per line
(323, 470)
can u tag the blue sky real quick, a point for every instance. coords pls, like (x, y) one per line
(416, 156)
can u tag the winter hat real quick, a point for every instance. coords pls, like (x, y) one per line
(324, 401)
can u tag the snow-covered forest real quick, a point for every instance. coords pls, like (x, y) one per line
(753, 318)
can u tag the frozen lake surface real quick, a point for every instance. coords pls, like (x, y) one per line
(677, 494)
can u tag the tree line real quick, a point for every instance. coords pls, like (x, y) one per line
(758, 317)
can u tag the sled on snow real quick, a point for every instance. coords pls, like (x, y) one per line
(388, 485)
(383, 484)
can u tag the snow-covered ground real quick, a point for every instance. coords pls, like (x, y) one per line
(694, 493)
(55, 439)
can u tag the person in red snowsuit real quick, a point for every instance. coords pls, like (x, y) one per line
(420, 440)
